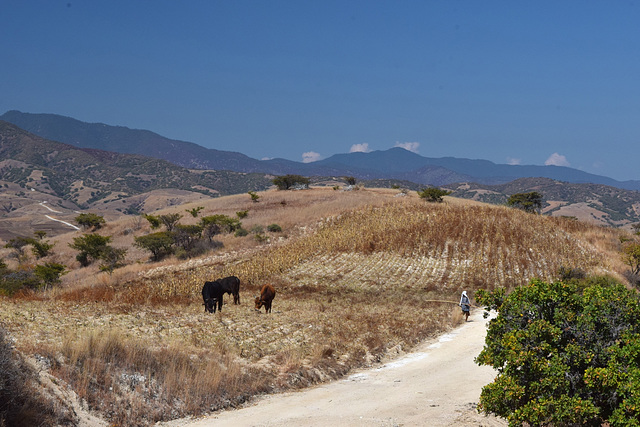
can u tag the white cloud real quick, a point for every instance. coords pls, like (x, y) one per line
(310, 156)
(360, 148)
(513, 161)
(409, 146)
(557, 160)
(267, 158)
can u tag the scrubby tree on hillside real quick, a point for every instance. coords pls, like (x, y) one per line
(195, 211)
(631, 256)
(255, 197)
(566, 353)
(433, 194)
(90, 247)
(153, 220)
(39, 246)
(18, 245)
(218, 224)
(50, 273)
(350, 180)
(288, 181)
(186, 238)
(160, 244)
(528, 202)
(90, 221)
(112, 258)
(170, 220)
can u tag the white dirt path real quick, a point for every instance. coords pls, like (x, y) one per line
(437, 385)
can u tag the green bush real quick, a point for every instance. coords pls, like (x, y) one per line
(50, 273)
(14, 281)
(241, 232)
(90, 220)
(90, 247)
(274, 228)
(288, 181)
(160, 244)
(528, 202)
(433, 194)
(567, 353)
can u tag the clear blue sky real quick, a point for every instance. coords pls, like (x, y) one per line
(523, 82)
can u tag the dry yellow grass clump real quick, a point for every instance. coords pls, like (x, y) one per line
(360, 276)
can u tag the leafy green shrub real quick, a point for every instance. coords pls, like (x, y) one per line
(187, 237)
(195, 211)
(568, 273)
(433, 194)
(112, 258)
(50, 273)
(274, 228)
(170, 221)
(288, 181)
(215, 224)
(14, 281)
(254, 196)
(241, 232)
(528, 202)
(160, 244)
(154, 221)
(90, 247)
(567, 353)
(631, 257)
(90, 220)
(242, 214)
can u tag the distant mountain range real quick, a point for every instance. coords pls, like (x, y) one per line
(395, 163)
(83, 177)
(82, 169)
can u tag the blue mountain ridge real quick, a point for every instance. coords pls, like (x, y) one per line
(394, 163)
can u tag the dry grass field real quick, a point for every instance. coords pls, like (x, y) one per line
(360, 276)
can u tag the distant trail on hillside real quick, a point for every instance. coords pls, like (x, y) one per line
(64, 222)
(436, 385)
(55, 219)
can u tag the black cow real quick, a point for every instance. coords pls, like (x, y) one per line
(212, 295)
(231, 285)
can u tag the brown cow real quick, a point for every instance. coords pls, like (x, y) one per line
(267, 294)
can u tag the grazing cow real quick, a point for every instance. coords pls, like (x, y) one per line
(231, 285)
(267, 294)
(212, 295)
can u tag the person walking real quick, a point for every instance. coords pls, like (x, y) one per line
(465, 304)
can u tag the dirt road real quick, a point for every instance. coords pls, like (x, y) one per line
(437, 385)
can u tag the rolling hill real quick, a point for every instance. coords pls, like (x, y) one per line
(596, 203)
(35, 170)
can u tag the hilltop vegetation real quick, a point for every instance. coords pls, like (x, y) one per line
(360, 275)
(599, 204)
